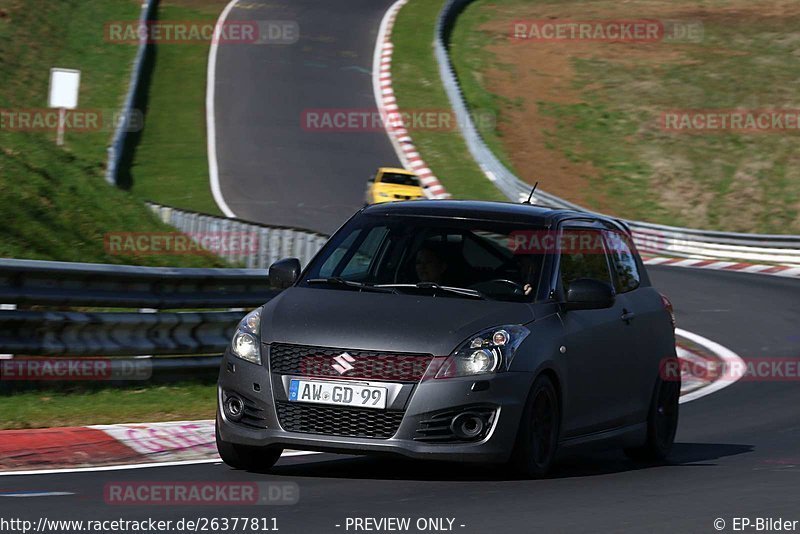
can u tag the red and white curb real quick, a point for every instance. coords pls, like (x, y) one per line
(786, 271)
(174, 441)
(60, 447)
(108, 444)
(387, 106)
(110, 447)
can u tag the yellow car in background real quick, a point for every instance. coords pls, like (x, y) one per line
(391, 184)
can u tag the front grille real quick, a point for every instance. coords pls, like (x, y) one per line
(311, 361)
(338, 421)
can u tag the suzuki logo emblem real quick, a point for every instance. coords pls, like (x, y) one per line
(343, 363)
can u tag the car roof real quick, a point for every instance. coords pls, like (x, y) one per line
(486, 210)
(397, 170)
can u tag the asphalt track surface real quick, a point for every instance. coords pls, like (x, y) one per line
(737, 454)
(737, 451)
(273, 168)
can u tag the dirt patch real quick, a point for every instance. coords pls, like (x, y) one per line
(9, 8)
(545, 76)
(544, 72)
(528, 74)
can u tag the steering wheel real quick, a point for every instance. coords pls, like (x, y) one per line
(515, 285)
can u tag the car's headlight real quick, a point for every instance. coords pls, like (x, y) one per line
(385, 195)
(246, 343)
(488, 351)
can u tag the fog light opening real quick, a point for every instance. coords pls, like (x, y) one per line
(468, 426)
(234, 408)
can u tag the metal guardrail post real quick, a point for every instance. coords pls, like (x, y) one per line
(114, 334)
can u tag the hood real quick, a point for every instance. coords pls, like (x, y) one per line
(347, 319)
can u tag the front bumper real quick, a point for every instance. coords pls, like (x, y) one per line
(506, 393)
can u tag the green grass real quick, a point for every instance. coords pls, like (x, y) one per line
(727, 181)
(469, 55)
(55, 202)
(417, 86)
(171, 162)
(108, 406)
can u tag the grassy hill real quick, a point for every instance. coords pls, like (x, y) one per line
(585, 117)
(55, 203)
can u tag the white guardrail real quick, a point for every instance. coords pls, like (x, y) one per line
(650, 238)
(265, 244)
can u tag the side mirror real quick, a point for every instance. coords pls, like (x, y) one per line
(284, 273)
(588, 294)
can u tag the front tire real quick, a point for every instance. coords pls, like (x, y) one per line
(537, 439)
(662, 423)
(257, 459)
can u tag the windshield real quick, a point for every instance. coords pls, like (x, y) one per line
(428, 256)
(397, 178)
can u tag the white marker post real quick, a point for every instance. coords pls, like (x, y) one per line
(64, 87)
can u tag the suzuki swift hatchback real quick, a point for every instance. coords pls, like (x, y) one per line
(455, 330)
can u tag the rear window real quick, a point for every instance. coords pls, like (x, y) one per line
(397, 178)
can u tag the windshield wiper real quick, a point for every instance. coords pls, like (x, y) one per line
(466, 292)
(351, 283)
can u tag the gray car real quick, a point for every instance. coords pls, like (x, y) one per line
(456, 330)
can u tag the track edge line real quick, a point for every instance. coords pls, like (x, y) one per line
(211, 121)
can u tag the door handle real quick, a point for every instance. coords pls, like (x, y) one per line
(627, 316)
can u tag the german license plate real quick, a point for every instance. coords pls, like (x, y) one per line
(337, 393)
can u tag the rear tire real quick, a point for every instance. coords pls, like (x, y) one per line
(662, 423)
(258, 459)
(537, 439)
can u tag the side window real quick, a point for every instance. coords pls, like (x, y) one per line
(627, 272)
(583, 255)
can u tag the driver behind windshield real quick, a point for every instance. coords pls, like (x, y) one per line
(430, 265)
(471, 255)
